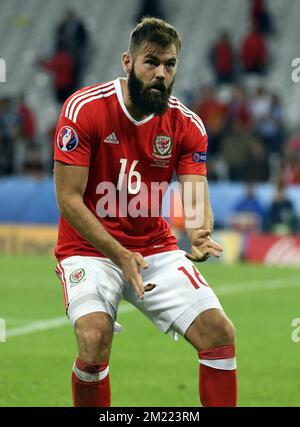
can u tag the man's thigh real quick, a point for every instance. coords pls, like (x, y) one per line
(180, 295)
(90, 284)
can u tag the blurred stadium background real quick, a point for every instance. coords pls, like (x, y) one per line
(238, 71)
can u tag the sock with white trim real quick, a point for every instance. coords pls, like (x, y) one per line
(217, 376)
(90, 384)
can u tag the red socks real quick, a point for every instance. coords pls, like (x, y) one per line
(90, 384)
(217, 380)
(217, 376)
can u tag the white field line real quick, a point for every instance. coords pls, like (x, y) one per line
(19, 320)
(220, 290)
(56, 322)
(258, 285)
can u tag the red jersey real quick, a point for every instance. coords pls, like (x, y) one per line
(95, 130)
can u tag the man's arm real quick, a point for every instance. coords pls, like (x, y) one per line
(70, 184)
(198, 217)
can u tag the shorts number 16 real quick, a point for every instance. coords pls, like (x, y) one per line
(195, 278)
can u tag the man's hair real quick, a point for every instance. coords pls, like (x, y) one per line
(156, 31)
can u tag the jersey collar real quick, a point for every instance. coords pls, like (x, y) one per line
(117, 84)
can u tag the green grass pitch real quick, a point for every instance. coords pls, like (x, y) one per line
(148, 368)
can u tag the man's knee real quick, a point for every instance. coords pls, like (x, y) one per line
(211, 328)
(222, 332)
(227, 331)
(94, 336)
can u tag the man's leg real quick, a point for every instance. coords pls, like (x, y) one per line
(213, 335)
(181, 293)
(90, 377)
(91, 306)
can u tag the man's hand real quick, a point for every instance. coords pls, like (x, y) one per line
(130, 264)
(203, 246)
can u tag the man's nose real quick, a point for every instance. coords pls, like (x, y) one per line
(160, 72)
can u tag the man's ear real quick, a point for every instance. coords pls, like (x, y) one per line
(127, 62)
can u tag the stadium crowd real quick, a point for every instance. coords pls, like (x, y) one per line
(248, 136)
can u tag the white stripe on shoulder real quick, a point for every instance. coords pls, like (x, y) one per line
(174, 99)
(87, 91)
(84, 95)
(188, 111)
(87, 95)
(190, 116)
(92, 98)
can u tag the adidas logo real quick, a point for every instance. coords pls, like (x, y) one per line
(111, 139)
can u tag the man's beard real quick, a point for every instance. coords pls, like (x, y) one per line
(145, 100)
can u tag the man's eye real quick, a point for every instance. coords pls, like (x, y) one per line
(171, 65)
(149, 61)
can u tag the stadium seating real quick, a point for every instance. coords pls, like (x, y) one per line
(27, 29)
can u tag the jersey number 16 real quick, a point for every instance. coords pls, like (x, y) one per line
(132, 188)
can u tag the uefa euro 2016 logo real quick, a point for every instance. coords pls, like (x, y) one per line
(2, 71)
(67, 139)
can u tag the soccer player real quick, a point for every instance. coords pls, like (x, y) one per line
(115, 144)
